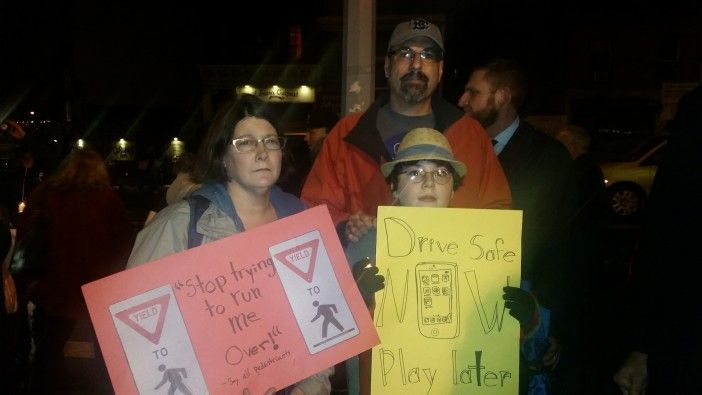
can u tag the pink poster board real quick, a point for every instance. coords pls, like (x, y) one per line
(267, 307)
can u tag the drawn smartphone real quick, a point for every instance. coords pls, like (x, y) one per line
(437, 299)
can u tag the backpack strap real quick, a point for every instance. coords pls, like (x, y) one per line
(198, 205)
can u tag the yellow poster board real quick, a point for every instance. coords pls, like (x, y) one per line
(441, 317)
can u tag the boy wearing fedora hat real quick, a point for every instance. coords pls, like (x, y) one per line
(424, 173)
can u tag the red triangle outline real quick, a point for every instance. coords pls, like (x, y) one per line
(156, 335)
(307, 276)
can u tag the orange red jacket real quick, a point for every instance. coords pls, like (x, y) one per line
(346, 174)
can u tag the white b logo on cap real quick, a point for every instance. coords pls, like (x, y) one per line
(420, 24)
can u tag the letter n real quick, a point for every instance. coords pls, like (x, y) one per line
(390, 289)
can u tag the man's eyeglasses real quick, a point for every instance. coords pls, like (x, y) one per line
(249, 144)
(441, 176)
(426, 55)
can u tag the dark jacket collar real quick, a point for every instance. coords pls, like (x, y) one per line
(365, 134)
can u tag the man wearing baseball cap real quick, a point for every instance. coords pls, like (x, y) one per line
(346, 175)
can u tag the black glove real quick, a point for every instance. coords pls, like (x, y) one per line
(367, 279)
(521, 304)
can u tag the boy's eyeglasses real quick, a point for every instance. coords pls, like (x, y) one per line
(441, 176)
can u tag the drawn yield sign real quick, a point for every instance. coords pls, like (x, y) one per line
(147, 318)
(297, 258)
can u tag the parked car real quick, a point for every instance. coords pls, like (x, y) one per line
(629, 180)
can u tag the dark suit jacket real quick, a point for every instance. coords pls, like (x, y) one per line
(540, 175)
(668, 268)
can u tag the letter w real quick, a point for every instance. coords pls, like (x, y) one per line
(488, 325)
(389, 288)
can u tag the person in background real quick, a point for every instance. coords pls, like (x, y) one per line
(12, 129)
(592, 195)
(583, 370)
(319, 123)
(21, 178)
(301, 154)
(182, 186)
(665, 341)
(346, 177)
(540, 175)
(89, 235)
(13, 322)
(238, 164)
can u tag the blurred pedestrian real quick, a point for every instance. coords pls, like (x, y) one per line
(666, 346)
(182, 186)
(346, 176)
(584, 369)
(592, 195)
(238, 165)
(88, 236)
(25, 174)
(319, 123)
(13, 129)
(540, 175)
(14, 324)
(300, 156)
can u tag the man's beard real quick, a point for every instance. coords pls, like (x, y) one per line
(486, 117)
(414, 91)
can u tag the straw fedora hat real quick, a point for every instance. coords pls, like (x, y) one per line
(424, 144)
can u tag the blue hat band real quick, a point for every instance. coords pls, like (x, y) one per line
(424, 149)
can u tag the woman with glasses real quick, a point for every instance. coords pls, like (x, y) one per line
(238, 165)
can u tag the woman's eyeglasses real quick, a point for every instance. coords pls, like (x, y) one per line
(441, 176)
(249, 144)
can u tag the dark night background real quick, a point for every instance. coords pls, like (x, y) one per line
(146, 71)
(105, 70)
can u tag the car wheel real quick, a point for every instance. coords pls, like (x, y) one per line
(626, 200)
